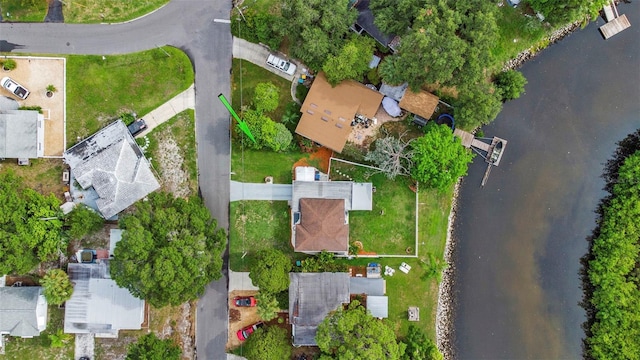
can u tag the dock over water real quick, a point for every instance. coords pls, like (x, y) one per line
(491, 151)
(615, 22)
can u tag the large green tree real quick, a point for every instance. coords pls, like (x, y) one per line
(510, 84)
(316, 28)
(270, 343)
(395, 16)
(150, 347)
(267, 305)
(567, 10)
(83, 221)
(439, 157)
(351, 62)
(57, 286)
(355, 334)
(270, 272)
(265, 97)
(30, 226)
(170, 250)
(419, 346)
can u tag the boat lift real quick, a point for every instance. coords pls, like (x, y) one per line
(490, 149)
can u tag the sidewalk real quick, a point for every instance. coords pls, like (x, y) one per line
(179, 103)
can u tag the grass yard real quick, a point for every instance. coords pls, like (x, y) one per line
(107, 11)
(389, 229)
(42, 175)
(257, 225)
(39, 347)
(99, 91)
(23, 10)
(177, 166)
(252, 75)
(259, 164)
(513, 25)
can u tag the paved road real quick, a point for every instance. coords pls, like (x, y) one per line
(251, 191)
(191, 26)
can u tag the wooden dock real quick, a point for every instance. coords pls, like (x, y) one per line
(490, 152)
(465, 137)
(615, 26)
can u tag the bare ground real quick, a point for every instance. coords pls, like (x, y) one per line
(248, 316)
(173, 177)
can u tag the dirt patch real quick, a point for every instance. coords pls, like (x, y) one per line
(246, 316)
(173, 177)
(318, 159)
(359, 134)
(41, 175)
(36, 73)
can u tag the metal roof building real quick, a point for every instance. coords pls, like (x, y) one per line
(23, 311)
(312, 296)
(21, 134)
(112, 163)
(98, 305)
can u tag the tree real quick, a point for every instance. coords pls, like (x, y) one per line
(59, 339)
(510, 84)
(419, 346)
(434, 268)
(149, 347)
(568, 10)
(439, 157)
(477, 104)
(355, 334)
(395, 16)
(316, 28)
(255, 120)
(57, 286)
(276, 136)
(265, 97)
(170, 250)
(270, 343)
(270, 272)
(392, 155)
(30, 226)
(351, 62)
(267, 305)
(83, 221)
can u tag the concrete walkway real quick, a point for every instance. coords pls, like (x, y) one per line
(240, 281)
(252, 191)
(179, 103)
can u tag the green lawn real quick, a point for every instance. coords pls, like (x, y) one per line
(252, 75)
(257, 225)
(513, 25)
(180, 128)
(39, 347)
(108, 11)
(100, 90)
(23, 10)
(389, 229)
(259, 164)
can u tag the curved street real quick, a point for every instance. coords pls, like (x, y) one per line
(190, 26)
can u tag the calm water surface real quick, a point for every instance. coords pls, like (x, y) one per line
(520, 237)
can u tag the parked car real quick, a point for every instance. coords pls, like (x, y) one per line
(15, 88)
(242, 301)
(244, 333)
(281, 64)
(137, 126)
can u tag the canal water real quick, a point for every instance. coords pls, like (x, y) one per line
(520, 238)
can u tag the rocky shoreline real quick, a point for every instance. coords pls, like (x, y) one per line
(446, 306)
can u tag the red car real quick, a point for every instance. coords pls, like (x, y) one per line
(244, 333)
(244, 301)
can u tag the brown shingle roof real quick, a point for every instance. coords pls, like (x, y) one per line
(322, 226)
(421, 103)
(327, 111)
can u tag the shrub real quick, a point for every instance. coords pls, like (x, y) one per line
(57, 286)
(301, 92)
(9, 64)
(510, 84)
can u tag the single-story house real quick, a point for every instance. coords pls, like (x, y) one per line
(21, 134)
(23, 311)
(111, 163)
(327, 112)
(312, 296)
(320, 214)
(98, 305)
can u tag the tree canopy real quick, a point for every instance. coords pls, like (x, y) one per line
(351, 62)
(30, 226)
(265, 97)
(510, 84)
(150, 347)
(170, 250)
(57, 286)
(567, 10)
(439, 157)
(270, 343)
(419, 346)
(267, 305)
(316, 28)
(270, 272)
(83, 221)
(355, 334)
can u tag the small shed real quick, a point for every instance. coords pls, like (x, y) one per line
(420, 103)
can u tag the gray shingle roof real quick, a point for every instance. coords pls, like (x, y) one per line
(112, 163)
(312, 296)
(20, 308)
(368, 286)
(98, 305)
(21, 134)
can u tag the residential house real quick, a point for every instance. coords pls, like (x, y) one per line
(111, 165)
(320, 214)
(312, 296)
(98, 305)
(23, 311)
(328, 112)
(21, 134)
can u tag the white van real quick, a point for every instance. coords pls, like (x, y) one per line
(281, 64)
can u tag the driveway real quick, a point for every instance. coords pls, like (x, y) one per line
(194, 27)
(251, 191)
